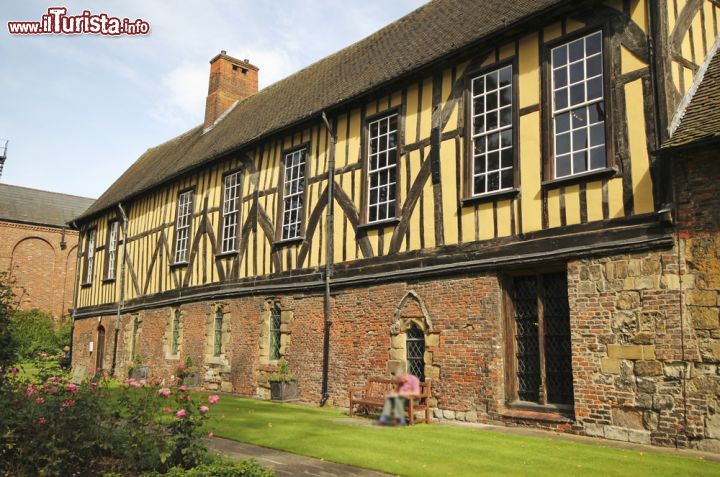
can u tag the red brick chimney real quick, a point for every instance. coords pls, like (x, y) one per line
(230, 80)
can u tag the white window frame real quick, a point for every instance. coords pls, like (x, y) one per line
(182, 225)
(495, 120)
(112, 249)
(577, 116)
(231, 206)
(293, 194)
(382, 171)
(90, 255)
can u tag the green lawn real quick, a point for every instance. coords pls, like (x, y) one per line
(433, 450)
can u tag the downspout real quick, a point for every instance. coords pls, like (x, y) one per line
(328, 261)
(121, 301)
(76, 286)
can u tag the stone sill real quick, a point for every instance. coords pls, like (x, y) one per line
(540, 415)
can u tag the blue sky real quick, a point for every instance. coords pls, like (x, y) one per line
(78, 110)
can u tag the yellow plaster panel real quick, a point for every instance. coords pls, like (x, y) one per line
(396, 99)
(642, 184)
(429, 214)
(415, 217)
(615, 198)
(530, 163)
(340, 156)
(411, 114)
(638, 14)
(552, 31)
(553, 208)
(573, 25)
(354, 140)
(709, 28)
(593, 191)
(372, 234)
(426, 114)
(572, 204)
(449, 191)
(629, 61)
(698, 43)
(468, 223)
(487, 226)
(529, 72)
(507, 50)
(503, 218)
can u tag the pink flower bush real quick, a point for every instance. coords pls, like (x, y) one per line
(164, 392)
(42, 421)
(182, 388)
(213, 399)
(204, 409)
(211, 435)
(40, 400)
(71, 387)
(181, 413)
(167, 410)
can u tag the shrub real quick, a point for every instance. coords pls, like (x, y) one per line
(7, 305)
(246, 468)
(34, 332)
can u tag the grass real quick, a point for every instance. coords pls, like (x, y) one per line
(433, 450)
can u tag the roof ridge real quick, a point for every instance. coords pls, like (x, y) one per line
(690, 93)
(46, 191)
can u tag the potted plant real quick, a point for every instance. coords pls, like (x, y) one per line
(283, 385)
(188, 374)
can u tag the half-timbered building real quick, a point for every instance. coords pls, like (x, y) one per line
(472, 193)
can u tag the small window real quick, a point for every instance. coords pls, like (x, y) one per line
(100, 357)
(382, 168)
(231, 206)
(293, 194)
(182, 228)
(89, 256)
(217, 348)
(175, 344)
(492, 131)
(578, 106)
(135, 329)
(274, 334)
(415, 347)
(112, 245)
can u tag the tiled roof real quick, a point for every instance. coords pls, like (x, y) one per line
(22, 204)
(701, 119)
(425, 35)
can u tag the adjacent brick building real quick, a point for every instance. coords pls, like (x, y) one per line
(38, 247)
(410, 203)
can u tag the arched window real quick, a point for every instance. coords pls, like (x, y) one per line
(274, 333)
(100, 357)
(217, 349)
(175, 333)
(415, 347)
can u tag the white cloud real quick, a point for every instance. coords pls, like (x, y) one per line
(182, 95)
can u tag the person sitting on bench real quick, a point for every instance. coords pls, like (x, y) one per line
(406, 386)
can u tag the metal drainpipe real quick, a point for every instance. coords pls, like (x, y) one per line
(328, 262)
(121, 301)
(76, 286)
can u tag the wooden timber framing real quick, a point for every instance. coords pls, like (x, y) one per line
(649, 51)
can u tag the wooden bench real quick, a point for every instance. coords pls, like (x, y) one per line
(372, 396)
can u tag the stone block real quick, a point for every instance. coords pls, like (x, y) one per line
(651, 266)
(639, 436)
(616, 433)
(610, 365)
(594, 430)
(621, 269)
(625, 351)
(286, 316)
(395, 366)
(650, 420)
(646, 385)
(624, 321)
(226, 387)
(397, 354)
(460, 415)
(701, 298)
(432, 339)
(709, 281)
(643, 338)
(471, 416)
(670, 282)
(596, 272)
(628, 418)
(437, 413)
(663, 402)
(704, 318)
(648, 368)
(610, 270)
(648, 351)
(647, 282)
(432, 372)
(587, 288)
(644, 400)
(710, 350)
(634, 268)
(628, 300)
(448, 414)
(712, 426)
(398, 341)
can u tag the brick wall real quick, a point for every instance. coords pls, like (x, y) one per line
(44, 270)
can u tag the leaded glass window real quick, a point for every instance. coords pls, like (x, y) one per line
(217, 348)
(415, 348)
(135, 329)
(175, 344)
(382, 168)
(542, 352)
(231, 205)
(182, 228)
(293, 193)
(578, 106)
(112, 249)
(492, 133)
(275, 322)
(90, 255)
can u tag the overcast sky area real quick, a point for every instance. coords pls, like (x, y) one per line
(78, 110)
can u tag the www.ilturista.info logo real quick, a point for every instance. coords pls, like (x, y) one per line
(58, 22)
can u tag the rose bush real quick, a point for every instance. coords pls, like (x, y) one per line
(51, 426)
